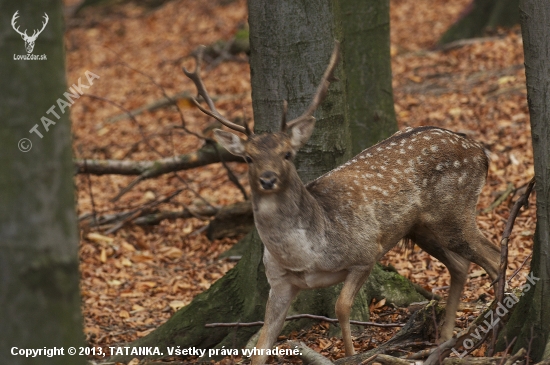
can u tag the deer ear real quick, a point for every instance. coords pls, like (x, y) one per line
(300, 132)
(230, 142)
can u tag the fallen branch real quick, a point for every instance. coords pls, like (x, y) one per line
(149, 169)
(301, 316)
(308, 355)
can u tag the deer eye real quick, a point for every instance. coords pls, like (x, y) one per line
(288, 155)
(248, 159)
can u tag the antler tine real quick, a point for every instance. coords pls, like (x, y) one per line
(13, 19)
(321, 92)
(45, 22)
(201, 90)
(283, 121)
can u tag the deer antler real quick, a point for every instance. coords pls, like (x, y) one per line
(37, 32)
(13, 19)
(201, 90)
(321, 92)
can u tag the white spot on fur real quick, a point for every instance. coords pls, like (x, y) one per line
(434, 148)
(439, 167)
(425, 182)
(426, 137)
(402, 151)
(394, 180)
(456, 164)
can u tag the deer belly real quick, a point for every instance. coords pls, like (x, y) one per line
(319, 279)
(294, 250)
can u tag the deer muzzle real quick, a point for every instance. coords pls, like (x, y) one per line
(268, 180)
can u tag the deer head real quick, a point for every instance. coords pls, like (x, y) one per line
(29, 40)
(269, 156)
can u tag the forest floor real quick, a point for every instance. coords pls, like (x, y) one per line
(133, 280)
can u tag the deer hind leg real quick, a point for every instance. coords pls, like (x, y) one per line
(355, 279)
(281, 295)
(458, 267)
(481, 251)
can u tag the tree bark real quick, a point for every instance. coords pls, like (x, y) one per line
(481, 15)
(531, 319)
(365, 32)
(39, 292)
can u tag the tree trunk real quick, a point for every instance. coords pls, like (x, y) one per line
(481, 15)
(39, 292)
(531, 319)
(365, 32)
(291, 43)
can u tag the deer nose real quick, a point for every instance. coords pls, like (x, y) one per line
(268, 180)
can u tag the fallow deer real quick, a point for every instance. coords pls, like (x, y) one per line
(420, 184)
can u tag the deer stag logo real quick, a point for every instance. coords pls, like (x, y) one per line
(29, 40)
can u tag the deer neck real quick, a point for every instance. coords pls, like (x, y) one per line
(291, 207)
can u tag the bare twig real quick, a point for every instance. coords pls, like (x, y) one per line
(501, 281)
(510, 189)
(139, 127)
(231, 176)
(520, 267)
(139, 210)
(506, 350)
(301, 316)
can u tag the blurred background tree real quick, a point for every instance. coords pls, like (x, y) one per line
(480, 16)
(39, 286)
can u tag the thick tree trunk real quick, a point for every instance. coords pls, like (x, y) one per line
(291, 43)
(39, 293)
(481, 15)
(531, 320)
(365, 31)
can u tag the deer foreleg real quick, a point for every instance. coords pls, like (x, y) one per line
(278, 302)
